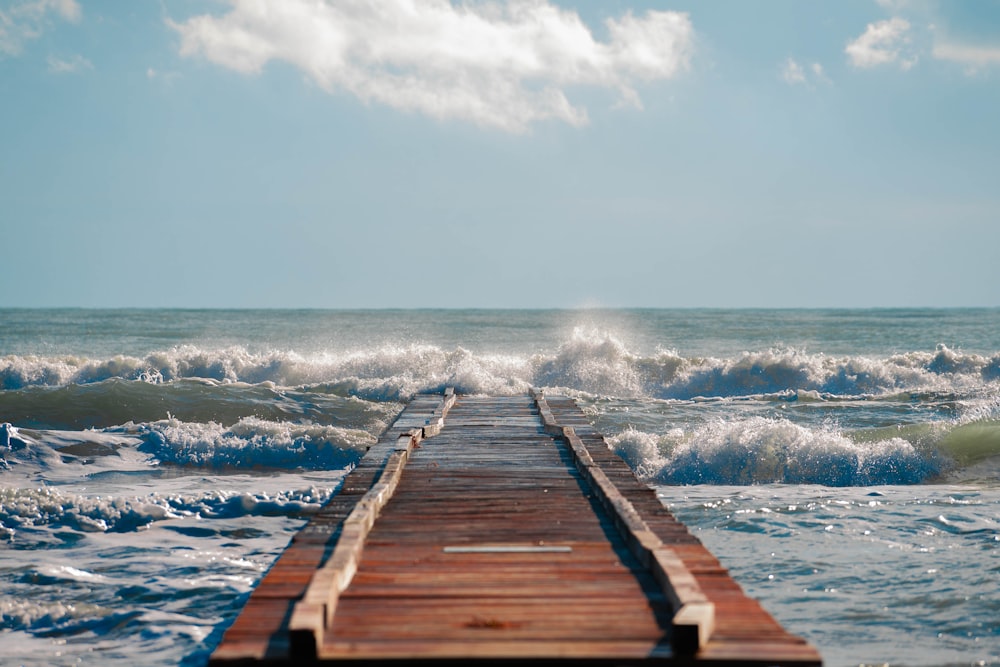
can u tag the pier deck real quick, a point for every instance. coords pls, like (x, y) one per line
(500, 529)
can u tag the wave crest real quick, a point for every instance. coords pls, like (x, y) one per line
(589, 361)
(759, 450)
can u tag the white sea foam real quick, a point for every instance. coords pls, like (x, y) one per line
(253, 443)
(19, 614)
(30, 451)
(33, 508)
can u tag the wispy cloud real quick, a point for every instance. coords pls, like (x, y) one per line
(819, 73)
(972, 56)
(959, 32)
(23, 21)
(794, 74)
(74, 64)
(159, 75)
(975, 58)
(883, 43)
(500, 65)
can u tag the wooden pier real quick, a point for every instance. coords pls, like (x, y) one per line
(500, 530)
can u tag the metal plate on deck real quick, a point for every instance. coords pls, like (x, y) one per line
(507, 549)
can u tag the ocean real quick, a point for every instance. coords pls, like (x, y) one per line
(843, 464)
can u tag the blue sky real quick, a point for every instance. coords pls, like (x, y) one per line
(411, 153)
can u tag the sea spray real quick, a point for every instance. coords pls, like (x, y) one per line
(591, 362)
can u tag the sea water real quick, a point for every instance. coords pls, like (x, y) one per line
(843, 464)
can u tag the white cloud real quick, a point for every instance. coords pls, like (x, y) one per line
(795, 74)
(882, 43)
(792, 72)
(26, 20)
(74, 64)
(501, 65)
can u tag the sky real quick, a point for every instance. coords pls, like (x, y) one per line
(522, 154)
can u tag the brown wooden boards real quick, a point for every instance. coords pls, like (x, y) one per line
(500, 529)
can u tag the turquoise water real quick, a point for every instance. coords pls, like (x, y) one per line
(154, 463)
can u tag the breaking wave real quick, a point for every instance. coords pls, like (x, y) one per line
(254, 443)
(590, 361)
(250, 443)
(761, 450)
